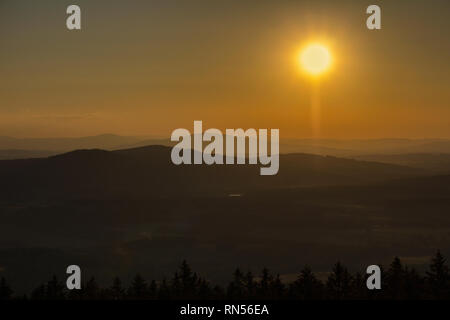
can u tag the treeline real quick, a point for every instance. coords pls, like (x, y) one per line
(398, 282)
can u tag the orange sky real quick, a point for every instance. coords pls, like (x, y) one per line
(141, 67)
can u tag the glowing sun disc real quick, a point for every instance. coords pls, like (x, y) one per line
(315, 59)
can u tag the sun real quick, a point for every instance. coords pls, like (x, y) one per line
(315, 59)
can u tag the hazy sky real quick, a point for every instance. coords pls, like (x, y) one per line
(149, 67)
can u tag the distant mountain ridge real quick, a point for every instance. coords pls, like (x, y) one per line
(104, 141)
(15, 148)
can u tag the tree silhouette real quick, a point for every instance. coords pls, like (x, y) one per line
(176, 286)
(188, 281)
(39, 293)
(236, 288)
(204, 290)
(414, 284)
(339, 282)
(164, 290)
(358, 287)
(250, 285)
(395, 280)
(438, 277)
(218, 292)
(398, 282)
(307, 286)
(116, 291)
(5, 290)
(54, 290)
(153, 290)
(92, 290)
(277, 288)
(138, 288)
(264, 284)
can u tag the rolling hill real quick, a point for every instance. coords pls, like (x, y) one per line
(148, 171)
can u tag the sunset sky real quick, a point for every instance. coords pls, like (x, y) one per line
(149, 67)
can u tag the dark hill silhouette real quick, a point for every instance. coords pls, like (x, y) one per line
(148, 171)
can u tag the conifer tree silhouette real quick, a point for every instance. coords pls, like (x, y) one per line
(399, 282)
(176, 286)
(164, 292)
(138, 288)
(307, 286)
(250, 285)
(236, 288)
(39, 293)
(339, 282)
(188, 281)
(438, 277)
(218, 292)
(264, 284)
(277, 288)
(414, 284)
(5, 290)
(153, 290)
(54, 289)
(116, 291)
(395, 280)
(204, 290)
(92, 290)
(358, 287)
